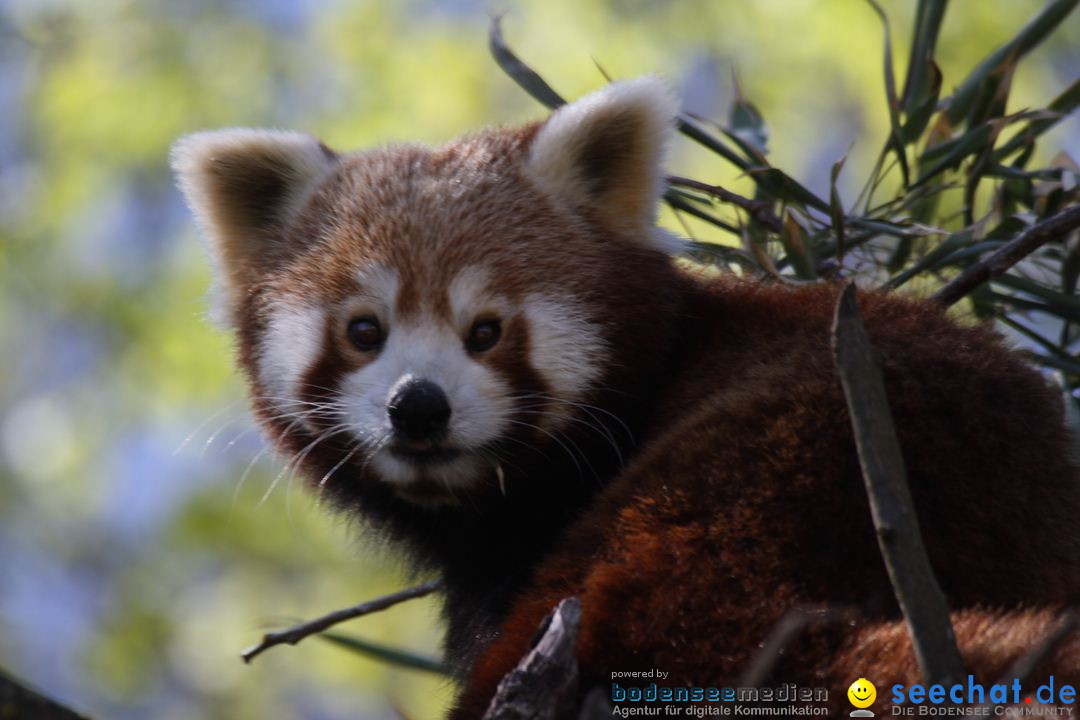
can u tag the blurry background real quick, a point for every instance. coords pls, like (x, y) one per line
(145, 537)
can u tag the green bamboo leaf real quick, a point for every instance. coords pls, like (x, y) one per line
(690, 129)
(756, 249)
(1053, 309)
(991, 102)
(754, 157)
(836, 205)
(678, 202)
(746, 123)
(923, 76)
(895, 142)
(781, 186)
(1036, 30)
(888, 227)
(933, 260)
(796, 248)
(969, 143)
(919, 116)
(1061, 106)
(389, 655)
(716, 254)
(1012, 173)
(989, 107)
(1008, 228)
(529, 80)
(1058, 302)
(1060, 359)
(941, 149)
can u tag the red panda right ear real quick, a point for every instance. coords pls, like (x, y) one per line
(605, 152)
(244, 186)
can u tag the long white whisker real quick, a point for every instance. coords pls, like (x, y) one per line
(299, 457)
(187, 440)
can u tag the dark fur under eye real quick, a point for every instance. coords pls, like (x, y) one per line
(366, 333)
(483, 335)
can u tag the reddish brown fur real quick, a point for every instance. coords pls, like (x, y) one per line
(747, 501)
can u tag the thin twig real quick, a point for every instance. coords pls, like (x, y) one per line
(757, 209)
(544, 684)
(296, 633)
(1012, 252)
(917, 591)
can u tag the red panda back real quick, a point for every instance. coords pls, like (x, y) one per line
(747, 503)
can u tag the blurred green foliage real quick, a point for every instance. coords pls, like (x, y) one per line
(135, 565)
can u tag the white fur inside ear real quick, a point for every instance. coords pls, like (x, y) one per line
(237, 183)
(638, 117)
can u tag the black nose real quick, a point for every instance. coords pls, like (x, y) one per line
(419, 410)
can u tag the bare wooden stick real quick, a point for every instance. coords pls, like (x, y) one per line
(296, 633)
(544, 684)
(1009, 254)
(917, 591)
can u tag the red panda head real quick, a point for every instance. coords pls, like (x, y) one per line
(414, 317)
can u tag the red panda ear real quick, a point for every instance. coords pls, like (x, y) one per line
(605, 150)
(243, 187)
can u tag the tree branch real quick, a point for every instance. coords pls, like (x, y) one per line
(544, 684)
(1009, 254)
(295, 634)
(917, 591)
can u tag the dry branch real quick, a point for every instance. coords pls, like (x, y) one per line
(1012, 252)
(295, 634)
(916, 588)
(544, 684)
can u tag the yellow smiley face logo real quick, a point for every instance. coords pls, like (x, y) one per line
(862, 693)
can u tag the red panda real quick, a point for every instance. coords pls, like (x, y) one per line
(487, 352)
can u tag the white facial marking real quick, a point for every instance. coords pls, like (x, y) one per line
(293, 341)
(380, 286)
(469, 297)
(565, 348)
(431, 349)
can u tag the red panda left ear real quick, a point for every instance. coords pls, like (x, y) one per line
(604, 152)
(244, 186)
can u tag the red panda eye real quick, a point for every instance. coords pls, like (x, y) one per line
(365, 333)
(483, 335)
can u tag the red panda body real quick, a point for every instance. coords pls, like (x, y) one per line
(746, 502)
(486, 352)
